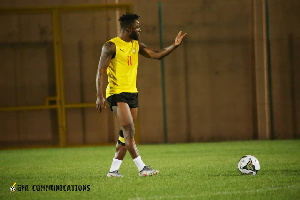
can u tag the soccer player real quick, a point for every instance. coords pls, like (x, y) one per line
(119, 59)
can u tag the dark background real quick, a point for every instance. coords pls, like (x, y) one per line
(217, 81)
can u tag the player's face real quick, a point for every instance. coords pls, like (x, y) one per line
(135, 30)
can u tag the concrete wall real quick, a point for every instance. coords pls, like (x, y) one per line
(285, 38)
(213, 87)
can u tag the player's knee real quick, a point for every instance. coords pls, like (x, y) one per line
(129, 130)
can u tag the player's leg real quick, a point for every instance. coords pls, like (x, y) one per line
(120, 147)
(118, 158)
(125, 118)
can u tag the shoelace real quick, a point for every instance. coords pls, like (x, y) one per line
(147, 168)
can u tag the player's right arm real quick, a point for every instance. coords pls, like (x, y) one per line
(108, 52)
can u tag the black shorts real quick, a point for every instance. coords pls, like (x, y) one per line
(130, 98)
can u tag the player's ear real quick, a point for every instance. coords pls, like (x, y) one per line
(129, 29)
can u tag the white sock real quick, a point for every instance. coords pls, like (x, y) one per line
(115, 165)
(139, 163)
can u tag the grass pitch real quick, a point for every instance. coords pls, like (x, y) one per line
(187, 171)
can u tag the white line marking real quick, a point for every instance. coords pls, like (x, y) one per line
(219, 193)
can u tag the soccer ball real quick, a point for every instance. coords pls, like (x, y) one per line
(12, 189)
(248, 165)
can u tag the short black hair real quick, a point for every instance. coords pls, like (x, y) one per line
(127, 20)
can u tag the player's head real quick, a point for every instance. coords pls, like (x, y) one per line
(129, 22)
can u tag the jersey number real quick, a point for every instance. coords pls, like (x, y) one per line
(129, 61)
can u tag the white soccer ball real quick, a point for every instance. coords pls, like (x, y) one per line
(248, 165)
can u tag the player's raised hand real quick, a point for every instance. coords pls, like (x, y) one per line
(179, 38)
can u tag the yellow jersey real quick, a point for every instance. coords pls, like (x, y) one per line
(122, 69)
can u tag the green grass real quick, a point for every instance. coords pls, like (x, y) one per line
(187, 171)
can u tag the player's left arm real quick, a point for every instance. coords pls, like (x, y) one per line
(159, 54)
